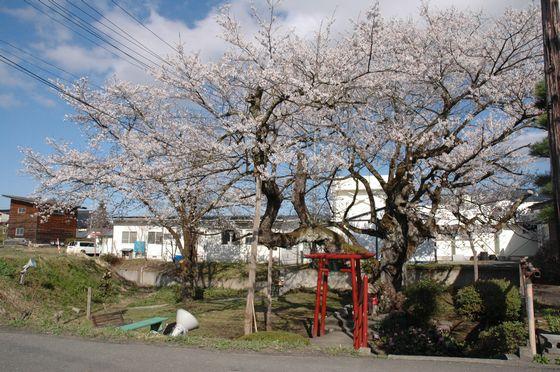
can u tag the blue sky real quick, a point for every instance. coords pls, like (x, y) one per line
(30, 112)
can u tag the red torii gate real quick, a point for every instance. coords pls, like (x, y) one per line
(359, 293)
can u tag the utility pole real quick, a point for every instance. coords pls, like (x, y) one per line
(551, 27)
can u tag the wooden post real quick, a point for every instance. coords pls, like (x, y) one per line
(551, 28)
(268, 325)
(88, 305)
(530, 315)
(249, 306)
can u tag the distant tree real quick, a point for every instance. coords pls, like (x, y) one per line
(479, 214)
(99, 218)
(541, 149)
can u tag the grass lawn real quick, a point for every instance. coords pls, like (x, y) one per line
(57, 287)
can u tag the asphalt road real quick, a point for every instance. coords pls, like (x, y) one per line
(32, 352)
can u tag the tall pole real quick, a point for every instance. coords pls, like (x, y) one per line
(551, 27)
(250, 305)
(530, 315)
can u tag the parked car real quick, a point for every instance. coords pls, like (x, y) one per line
(85, 247)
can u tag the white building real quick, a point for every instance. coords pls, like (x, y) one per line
(137, 237)
(229, 239)
(4, 216)
(511, 242)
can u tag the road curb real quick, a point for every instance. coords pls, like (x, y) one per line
(501, 362)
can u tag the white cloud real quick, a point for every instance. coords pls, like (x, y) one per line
(304, 17)
(529, 137)
(8, 101)
(43, 100)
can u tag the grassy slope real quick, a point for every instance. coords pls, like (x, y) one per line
(59, 283)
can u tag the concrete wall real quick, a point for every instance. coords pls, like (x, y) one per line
(509, 243)
(461, 275)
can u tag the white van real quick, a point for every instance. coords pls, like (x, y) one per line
(84, 247)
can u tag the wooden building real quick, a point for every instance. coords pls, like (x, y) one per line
(26, 223)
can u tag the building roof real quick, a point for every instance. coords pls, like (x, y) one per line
(29, 200)
(24, 199)
(210, 221)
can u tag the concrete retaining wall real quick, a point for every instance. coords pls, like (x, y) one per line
(462, 275)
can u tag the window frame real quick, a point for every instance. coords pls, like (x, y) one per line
(20, 229)
(21, 210)
(129, 235)
(155, 237)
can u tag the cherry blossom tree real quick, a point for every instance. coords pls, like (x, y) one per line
(143, 152)
(434, 103)
(437, 106)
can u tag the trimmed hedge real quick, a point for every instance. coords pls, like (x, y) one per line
(501, 339)
(491, 301)
(468, 302)
(422, 300)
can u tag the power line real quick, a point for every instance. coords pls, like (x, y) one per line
(123, 33)
(48, 83)
(36, 66)
(84, 36)
(142, 24)
(41, 60)
(81, 22)
(88, 29)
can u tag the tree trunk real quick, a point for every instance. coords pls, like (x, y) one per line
(551, 28)
(189, 265)
(392, 264)
(268, 324)
(475, 259)
(252, 266)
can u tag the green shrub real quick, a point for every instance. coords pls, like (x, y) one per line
(400, 335)
(396, 321)
(420, 341)
(468, 302)
(540, 359)
(501, 339)
(6, 269)
(500, 300)
(492, 301)
(422, 300)
(552, 317)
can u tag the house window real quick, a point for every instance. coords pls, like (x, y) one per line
(129, 236)
(19, 231)
(167, 237)
(228, 236)
(21, 210)
(155, 237)
(249, 240)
